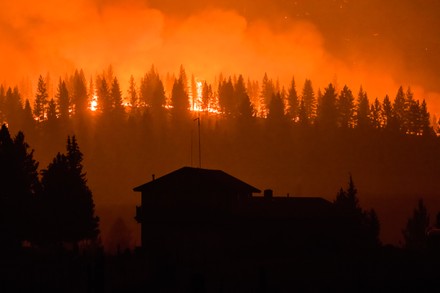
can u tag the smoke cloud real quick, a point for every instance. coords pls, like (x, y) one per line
(55, 38)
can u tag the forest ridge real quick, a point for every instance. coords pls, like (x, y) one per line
(228, 96)
(282, 138)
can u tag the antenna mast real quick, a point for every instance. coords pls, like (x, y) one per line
(200, 143)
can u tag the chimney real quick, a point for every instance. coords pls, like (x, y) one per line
(268, 193)
(154, 177)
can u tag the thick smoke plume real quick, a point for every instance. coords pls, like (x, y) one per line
(50, 37)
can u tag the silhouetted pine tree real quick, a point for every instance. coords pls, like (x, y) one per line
(360, 228)
(13, 107)
(41, 100)
(226, 96)
(18, 186)
(116, 100)
(179, 97)
(276, 108)
(414, 234)
(345, 107)
(328, 114)
(362, 110)
(413, 118)
(241, 97)
(267, 91)
(28, 122)
(133, 95)
(63, 100)
(399, 110)
(104, 98)
(207, 96)
(302, 115)
(308, 97)
(159, 98)
(389, 122)
(79, 93)
(376, 114)
(67, 204)
(425, 124)
(293, 101)
(152, 91)
(2, 104)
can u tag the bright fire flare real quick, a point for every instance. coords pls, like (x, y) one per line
(94, 103)
(197, 100)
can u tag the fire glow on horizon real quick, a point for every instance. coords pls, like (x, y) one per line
(45, 37)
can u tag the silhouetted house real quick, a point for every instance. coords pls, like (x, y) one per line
(197, 209)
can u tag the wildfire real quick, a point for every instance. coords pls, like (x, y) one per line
(94, 103)
(197, 98)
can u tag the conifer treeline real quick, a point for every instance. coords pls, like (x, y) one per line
(57, 209)
(231, 97)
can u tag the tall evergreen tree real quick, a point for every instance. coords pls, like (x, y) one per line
(28, 122)
(207, 96)
(302, 115)
(63, 100)
(241, 97)
(308, 97)
(159, 98)
(399, 110)
(116, 99)
(133, 94)
(267, 91)
(414, 233)
(152, 91)
(276, 108)
(2, 104)
(41, 100)
(293, 101)
(13, 106)
(360, 228)
(411, 112)
(376, 114)
(79, 93)
(51, 111)
(345, 107)
(179, 97)
(388, 114)
(18, 186)
(226, 96)
(413, 117)
(105, 104)
(68, 210)
(328, 114)
(362, 110)
(425, 124)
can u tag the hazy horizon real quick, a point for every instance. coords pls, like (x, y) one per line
(370, 43)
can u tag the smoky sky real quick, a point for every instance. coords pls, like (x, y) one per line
(377, 44)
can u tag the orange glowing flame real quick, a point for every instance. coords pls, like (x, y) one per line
(197, 98)
(94, 103)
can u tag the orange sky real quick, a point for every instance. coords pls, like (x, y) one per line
(38, 38)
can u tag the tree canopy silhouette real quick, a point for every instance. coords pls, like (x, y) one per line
(360, 228)
(414, 234)
(18, 186)
(68, 209)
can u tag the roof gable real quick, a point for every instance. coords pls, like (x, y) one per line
(197, 180)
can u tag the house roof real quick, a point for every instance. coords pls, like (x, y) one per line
(188, 179)
(288, 207)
